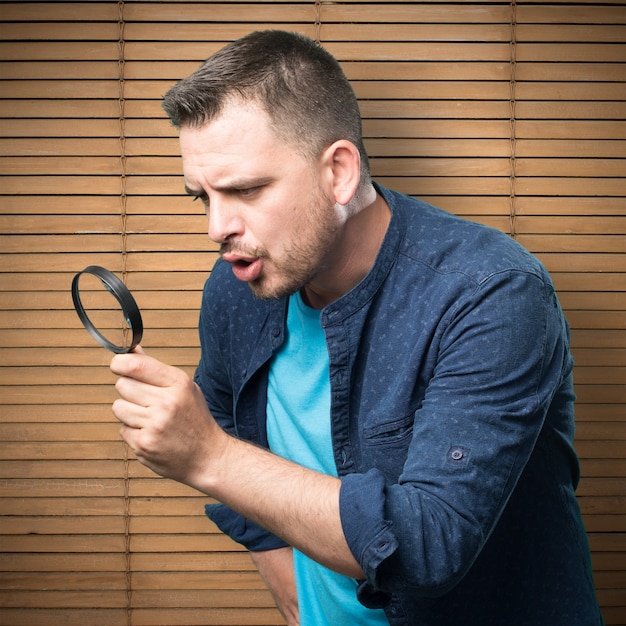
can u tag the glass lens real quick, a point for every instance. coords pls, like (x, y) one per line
(104, 311)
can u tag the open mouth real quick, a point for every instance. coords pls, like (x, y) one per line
(245, 269)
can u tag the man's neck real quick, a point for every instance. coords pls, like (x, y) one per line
(357, 249)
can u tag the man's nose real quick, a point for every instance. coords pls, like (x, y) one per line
(224, 220)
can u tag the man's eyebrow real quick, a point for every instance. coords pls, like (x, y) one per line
(237, 184)
(234, 185)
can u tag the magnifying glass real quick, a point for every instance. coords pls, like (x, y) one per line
(107, 309)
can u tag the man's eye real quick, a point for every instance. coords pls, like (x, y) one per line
(248, 192)
(202, 197)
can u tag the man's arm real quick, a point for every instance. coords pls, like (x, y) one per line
(276, 569)
(166, 422)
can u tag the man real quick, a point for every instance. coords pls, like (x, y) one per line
(409, 372)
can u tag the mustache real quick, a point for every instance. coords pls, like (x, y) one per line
(234, 247)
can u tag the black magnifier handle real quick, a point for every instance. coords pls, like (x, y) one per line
(121, 293)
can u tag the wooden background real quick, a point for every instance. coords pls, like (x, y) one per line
(512, 114)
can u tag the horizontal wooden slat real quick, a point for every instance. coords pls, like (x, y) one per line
(329, 32)
(571, 52)
(598, 339)
(59, 51)
(49, 281)
(205, 561)
(72, 31)
(60, 506)
(184, 316)
(172, 338)
(570, 71)
(571, 206)
(570, 110)
(179, 356)
(570, 14)
(72, 262)
(61, 600)
(61, 433)
(61, 581)
(61, 469)
(60, 128)
(600, 468)
(62, 525)
(573, 243)
(82, 165)
(144, 580)
(567, 32)
(66, 108)
(573, 149)
(96, 224)
(61, 205)
(87, 450)
(69, 617)
(56, 70)
(59, 11)
(348, 51)
(572, 281)
(572, 225)
(569, 92)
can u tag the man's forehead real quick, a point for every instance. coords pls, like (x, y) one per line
(235, 125)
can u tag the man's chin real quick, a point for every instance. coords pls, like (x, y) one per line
(265, 290)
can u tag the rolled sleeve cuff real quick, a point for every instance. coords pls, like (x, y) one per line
(368, 534)
(250, 535)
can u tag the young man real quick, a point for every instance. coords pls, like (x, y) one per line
(384, 401)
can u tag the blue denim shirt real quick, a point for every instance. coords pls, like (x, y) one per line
(452, 424)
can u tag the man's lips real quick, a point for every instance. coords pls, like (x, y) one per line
(245, 268)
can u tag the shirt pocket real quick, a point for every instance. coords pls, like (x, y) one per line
(385, 446)
(390, 433)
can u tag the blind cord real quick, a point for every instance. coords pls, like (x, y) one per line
(124, 255)
(512, 121)
(318, 21)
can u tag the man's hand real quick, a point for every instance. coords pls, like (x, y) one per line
(167, 423)
(164, 417)
(276, 569)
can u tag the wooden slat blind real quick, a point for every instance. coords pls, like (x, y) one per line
(509, 113)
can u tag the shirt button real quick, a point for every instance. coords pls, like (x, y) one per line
(275, 331)
(457, 454)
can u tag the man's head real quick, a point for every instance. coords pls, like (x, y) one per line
(270, 138)
(300, 86)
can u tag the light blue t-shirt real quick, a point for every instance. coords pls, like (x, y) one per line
(298, 428)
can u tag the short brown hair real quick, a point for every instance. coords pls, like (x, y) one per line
(301, 86)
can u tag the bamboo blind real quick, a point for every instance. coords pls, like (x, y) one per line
(512, 114)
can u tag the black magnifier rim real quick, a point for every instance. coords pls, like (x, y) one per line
(126, 301)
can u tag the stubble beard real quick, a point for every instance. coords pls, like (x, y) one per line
(304, 259)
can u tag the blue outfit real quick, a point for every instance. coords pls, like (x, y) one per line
(451, 418)
(298, 429)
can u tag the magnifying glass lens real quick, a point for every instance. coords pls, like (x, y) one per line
(104, 311)
(107, 309)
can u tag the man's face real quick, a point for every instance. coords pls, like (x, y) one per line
(268, 207)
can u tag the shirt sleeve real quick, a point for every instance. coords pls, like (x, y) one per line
(213, 376)
(502, 356)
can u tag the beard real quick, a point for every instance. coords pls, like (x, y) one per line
(305, 256)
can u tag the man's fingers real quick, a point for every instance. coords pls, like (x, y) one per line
(137, 392)
(130, 414)
(139, 366)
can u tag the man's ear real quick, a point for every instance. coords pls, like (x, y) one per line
(342, 163)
